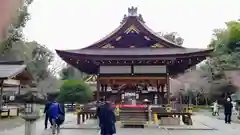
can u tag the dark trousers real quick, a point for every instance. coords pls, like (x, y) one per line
(228, 117)
(46, 120)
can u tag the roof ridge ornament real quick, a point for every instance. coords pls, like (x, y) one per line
(132, 11)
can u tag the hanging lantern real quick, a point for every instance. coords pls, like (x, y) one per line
(137, 96)
(122, 96)
(165, 88)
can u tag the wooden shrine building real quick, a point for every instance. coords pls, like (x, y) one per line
(133, 63)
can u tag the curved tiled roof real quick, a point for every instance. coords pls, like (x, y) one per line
(129, 21)
(136, 51)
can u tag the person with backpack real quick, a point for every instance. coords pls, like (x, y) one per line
(57, 116)
(61, 114)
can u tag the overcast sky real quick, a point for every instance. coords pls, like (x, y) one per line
(70, 24)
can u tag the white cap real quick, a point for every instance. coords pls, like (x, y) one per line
(228, 99)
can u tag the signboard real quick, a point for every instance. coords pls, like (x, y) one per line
(149, 69)
(129, 94)
(115, 69)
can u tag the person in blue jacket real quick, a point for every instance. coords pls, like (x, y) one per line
(57, 116)
(47, 106)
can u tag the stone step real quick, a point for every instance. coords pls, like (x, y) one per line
(133, 114)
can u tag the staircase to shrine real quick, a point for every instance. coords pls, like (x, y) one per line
(133, 116)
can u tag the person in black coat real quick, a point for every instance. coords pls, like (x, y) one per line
(228, 110)
(47, 106)
(107, 120)
(100, 107)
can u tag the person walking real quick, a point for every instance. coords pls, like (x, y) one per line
(107, 120)
(228, 111)
(100, 107)
(215, 108)
(47, 106)
(57, 116)
(61, 116)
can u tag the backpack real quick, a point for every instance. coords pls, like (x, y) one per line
(61, 115)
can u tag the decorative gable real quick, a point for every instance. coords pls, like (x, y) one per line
(108, 46)
(157, 45)
(132, 29)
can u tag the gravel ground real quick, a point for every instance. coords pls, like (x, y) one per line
(9, 123)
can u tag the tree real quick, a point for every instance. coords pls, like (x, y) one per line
(75, 91)
(210, 79)
(71, 73)
(194, 85)
(226, 56)
(37, 57)
(172, 37)
(226, 43)
(15, 33)
(39, 60)
(49, 85)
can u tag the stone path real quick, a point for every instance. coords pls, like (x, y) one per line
(219, 125)
(90, 128)
(221, 116)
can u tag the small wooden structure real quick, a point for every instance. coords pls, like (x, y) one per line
(13, 75)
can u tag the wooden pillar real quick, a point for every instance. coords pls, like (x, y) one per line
(98, 88)
(1, 93)
(19, 89)
(83, 117)
(98, 84)
(78, 118)
(168, 89)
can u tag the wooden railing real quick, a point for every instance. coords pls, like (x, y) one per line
(85, 115)
(9, 112)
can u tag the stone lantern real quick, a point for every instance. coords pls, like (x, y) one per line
(30, 113)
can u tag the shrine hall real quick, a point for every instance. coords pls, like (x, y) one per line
(133, 64)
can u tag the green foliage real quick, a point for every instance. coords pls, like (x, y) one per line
(226, 43)
(75, 91)
(226, 56)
